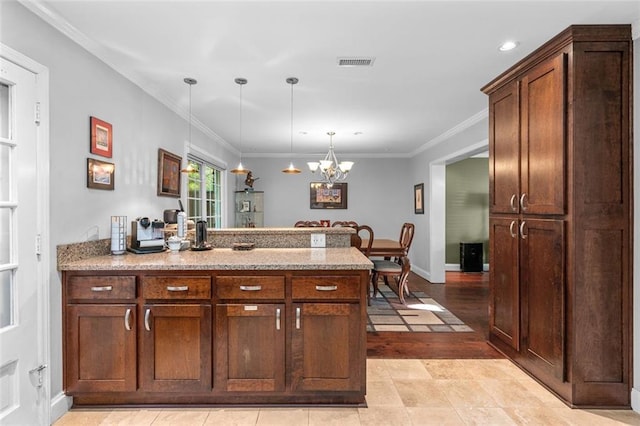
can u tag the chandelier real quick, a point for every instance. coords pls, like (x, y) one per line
(330, 169)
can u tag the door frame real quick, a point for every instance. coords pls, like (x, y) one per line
(437, 207)
(42, 213)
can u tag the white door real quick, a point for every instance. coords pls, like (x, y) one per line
(23, 393)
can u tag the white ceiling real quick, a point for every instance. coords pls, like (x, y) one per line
(431, 58)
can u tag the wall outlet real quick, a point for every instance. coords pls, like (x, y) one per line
(318, 240)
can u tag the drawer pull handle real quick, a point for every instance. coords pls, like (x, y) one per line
(512, 202)
(250, 287)
(297, 318)
(180, 288)
(326, 287)
(147, 325)
(127, 320)
(102, 288)
(278, 319)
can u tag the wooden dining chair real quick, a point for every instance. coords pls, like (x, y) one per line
(398, 271)
(307, 224)
(363, 233)
(397, 268)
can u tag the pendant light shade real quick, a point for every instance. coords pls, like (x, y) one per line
(291, 170)
(189, 168)
(240, 170)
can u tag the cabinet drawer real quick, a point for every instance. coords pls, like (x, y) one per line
(176, 287)
(101, 287)
(250, 287)
(326, 287)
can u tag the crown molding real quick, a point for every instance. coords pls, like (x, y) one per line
(40, 9)
(474, 119)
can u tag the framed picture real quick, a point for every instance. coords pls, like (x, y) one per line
(418, 198)
(101, 137)
(245, 206)
(100, 174)
(168, 173)
(324, 197)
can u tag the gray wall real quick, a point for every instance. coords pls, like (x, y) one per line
(467, 206)
(83, 86)
(380, 193)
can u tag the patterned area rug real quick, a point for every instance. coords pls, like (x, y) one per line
(420, 314)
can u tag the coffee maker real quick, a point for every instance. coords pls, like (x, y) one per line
(147, 236)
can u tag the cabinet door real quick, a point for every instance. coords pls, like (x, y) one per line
(543, 148)
(250, 347)
(504, 150)
(504, 301)
(326, 347)
(176, 348)
(100, 351)
(542, 276)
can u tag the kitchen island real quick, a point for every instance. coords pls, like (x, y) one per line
(265, 326)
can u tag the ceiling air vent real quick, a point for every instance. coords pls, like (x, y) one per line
(361, 61)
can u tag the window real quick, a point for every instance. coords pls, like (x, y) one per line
(204, 193)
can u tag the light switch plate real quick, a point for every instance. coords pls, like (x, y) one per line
(318, 240)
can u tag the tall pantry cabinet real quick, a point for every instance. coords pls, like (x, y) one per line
(561, 212)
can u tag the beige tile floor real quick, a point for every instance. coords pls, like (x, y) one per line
(399, 392)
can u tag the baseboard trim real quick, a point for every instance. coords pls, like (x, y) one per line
(635, 400)
(455, 267)
(421, 272)
(60, 404)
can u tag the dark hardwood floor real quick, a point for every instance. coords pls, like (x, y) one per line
(466, 295)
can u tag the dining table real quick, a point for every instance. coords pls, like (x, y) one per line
(384, 247)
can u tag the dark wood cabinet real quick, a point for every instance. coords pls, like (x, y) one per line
(325, 346)
(176, 336)
(100, 338)
(216, 337)
(250, 347)
(175, 355)
(560, 214)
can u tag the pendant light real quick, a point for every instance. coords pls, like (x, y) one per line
(189, 168)
(292, 170)
(240, 170)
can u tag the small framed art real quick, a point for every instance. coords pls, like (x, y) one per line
(418, 198)
(100, 174)
(101, 138)
(168, 173)
(323, 196)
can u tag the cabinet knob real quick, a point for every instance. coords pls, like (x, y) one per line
(512, 203)
(297, 318)
(278, 319)
(511, 231)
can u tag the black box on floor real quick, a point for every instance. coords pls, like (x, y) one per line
(471, 257)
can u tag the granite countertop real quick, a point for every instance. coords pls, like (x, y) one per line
(228, 259)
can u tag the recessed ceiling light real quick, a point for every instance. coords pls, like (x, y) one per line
(508, 45)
